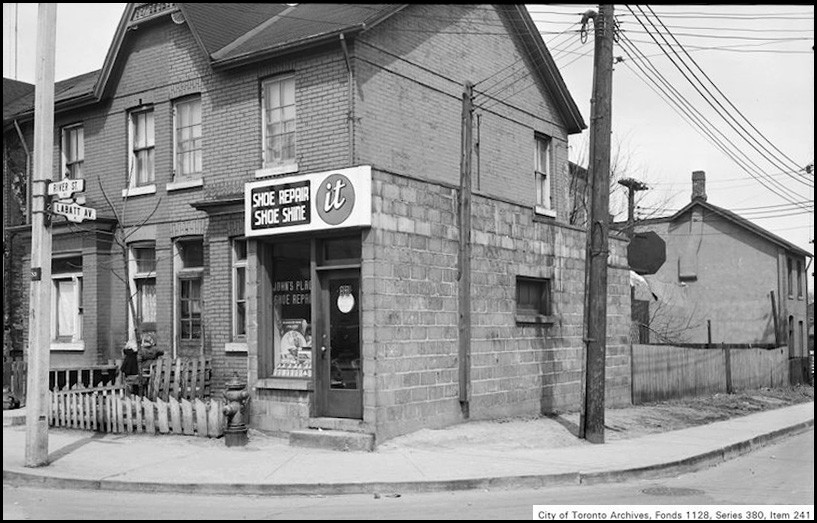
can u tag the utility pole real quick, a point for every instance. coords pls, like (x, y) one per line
(464, 273)
(632, 186)
(39, 319)
(591, 423)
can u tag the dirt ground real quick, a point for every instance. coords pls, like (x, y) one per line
(560, 430)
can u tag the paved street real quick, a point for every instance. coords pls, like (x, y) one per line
(778, 474)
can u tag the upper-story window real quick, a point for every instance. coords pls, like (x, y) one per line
(799, 279)
(141, 148)
(187, 133)
(73, 151)
(791, 276)
(543, 167)
(279, 121)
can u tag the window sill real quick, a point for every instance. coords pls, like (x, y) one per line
(236, 347)
(534, 319)
(139, 191)
(285, 383)
(67, 346)
(184, 184)
(544, 211)
(277, 170)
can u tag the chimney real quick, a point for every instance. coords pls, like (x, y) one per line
(698, 185)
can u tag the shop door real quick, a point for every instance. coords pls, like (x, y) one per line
(340, 373)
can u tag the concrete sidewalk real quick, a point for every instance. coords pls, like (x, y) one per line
(269, 466)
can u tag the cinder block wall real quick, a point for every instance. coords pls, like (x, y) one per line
(410, 311)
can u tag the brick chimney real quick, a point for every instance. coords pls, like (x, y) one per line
(698, 185)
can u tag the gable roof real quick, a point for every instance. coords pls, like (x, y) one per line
(13, 92)
(67, 92)
(734, 218)
(233, 35)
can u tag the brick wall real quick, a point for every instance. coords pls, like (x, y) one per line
(410, 311)
(408, 117)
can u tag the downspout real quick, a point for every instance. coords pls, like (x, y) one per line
(350, 120)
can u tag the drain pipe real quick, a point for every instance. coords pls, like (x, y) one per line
(350, 121)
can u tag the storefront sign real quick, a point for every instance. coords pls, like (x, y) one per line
(311, 202)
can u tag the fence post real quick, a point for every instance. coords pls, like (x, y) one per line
(727, 356)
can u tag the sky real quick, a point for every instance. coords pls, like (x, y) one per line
(744, 111)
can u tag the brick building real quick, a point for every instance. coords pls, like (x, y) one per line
(288, 179)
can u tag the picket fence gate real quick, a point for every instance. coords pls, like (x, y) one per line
(179, 378)
(107, 408)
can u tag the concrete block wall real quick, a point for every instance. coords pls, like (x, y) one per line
(410, 311)
(280, 411)
(409, 293)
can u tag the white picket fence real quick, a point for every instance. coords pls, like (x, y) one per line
(109, 409)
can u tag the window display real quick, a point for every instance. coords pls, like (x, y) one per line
(291, 287)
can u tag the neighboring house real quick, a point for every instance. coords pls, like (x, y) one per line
(727, 280)
(289, 175)
(16, 165)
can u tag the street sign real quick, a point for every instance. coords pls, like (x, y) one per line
(65, 188)
(647, 252)
(75, 213)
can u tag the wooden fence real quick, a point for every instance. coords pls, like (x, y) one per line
(109, 409)
(187, 378)
(85, 376)
(662, 372)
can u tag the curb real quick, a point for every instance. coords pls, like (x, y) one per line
(690, 464)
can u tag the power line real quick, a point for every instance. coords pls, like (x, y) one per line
(731, 104)
(692, 115)
(722, 112)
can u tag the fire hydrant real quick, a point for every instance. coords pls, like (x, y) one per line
(236, 395)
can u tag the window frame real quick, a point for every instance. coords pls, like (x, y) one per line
(74, 341)
(542, 311)
(133, 177)
(799, 279)
(139, 278)
(543, 179)
(238, 264)
(789, 266)
(184, 275)
(268, 162)
(68, 163)
(197, 153)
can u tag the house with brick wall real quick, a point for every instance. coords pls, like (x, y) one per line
(288, 180)
(727, 280)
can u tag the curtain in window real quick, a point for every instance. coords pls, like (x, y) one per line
(66, 305)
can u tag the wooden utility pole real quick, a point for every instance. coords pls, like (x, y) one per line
(632, 186)
(592, 420)
(464, 273)
(39, 319)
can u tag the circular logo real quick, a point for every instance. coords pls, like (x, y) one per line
(336, 199)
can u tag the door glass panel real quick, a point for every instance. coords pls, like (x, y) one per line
(344, 333)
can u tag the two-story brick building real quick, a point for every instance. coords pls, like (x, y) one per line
(286, 185)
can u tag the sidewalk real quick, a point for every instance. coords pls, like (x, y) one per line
(268, 465)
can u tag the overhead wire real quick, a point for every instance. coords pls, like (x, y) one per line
(685, 109)
(732, 105)
(718, 107)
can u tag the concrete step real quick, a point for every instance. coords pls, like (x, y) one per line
(332, 439)
(14, 417)
(349, 425)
